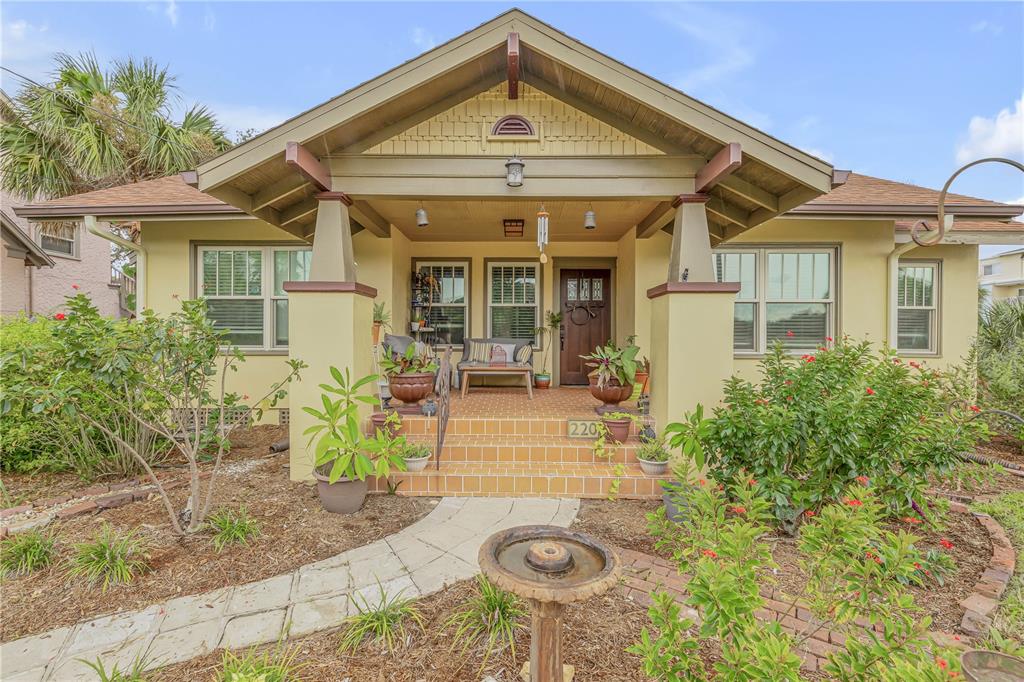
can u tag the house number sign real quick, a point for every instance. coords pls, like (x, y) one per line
(582, 428)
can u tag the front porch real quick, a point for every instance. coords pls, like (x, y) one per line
(498, 442)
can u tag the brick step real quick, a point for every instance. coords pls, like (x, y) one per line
(532, 449)
(481, 479)
(497, 426)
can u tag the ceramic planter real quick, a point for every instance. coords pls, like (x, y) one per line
(378, 422)
(376, 332)
(416, 463)
(542, 381)
(411, 388)
(641, 379)
(343, 497)
(610, 395)
(618, 429)
(652, 468)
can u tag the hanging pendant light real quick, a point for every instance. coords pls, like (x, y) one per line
(542, 232)
(514, 171)
(590, 219)
(421, 217)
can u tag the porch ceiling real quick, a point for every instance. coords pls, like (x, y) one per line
(254, 177)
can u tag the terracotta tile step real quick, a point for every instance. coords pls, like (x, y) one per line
(484, 478)
(497, 426)
(523, 449)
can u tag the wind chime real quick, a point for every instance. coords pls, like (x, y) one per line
(542, 232)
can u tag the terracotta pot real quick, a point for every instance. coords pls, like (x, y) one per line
(411, 388)
(641, 378)
(376, 332)
(611, 395)
(542, 381)
(652, 468)
(417, 463)
(618, 429)
(343, 497)
(378, 421)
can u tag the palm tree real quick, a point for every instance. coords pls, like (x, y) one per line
(90, 129)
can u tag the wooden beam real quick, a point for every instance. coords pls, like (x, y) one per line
(513, 66)
(277, 191)
(788, 201)
(731, 212)
(750, 192)
(722, 164)
(298, 211)
(368, 217)
(303, 161)
(655, 220)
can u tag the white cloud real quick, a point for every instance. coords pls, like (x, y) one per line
(1000, 135)
(28, 49)
(1019, 201)
(169, 9)
(239, 117)
(422, 38)
(209, 20)
(820, 153)
(984, 26)
(724, 38)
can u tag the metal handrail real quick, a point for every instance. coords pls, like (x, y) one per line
(444, 385)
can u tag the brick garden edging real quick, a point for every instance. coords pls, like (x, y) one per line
(644, 573)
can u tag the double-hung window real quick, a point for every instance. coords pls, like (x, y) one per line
(447, 298)
(513, 301)
(244, 290)
(786, 295)
(917, 295)
(60, 238)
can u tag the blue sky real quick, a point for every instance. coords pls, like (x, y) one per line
(899, 90)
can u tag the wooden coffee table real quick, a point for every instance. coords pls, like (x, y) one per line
(527, 373)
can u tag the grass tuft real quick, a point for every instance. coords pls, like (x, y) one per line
(26, 552)
(231, 527)
(271, 666)
(110, 559)
(493, 614)
(115, 674)
(382, 622)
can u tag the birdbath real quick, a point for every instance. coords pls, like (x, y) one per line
(991, 666)
(550, 567)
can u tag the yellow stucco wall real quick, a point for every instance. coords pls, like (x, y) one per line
(561, 130)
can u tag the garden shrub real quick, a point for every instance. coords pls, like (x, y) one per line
(382, 622)
(231, 527)
(279, 665)
(492, 615)
(110, 559)
(26, 552)
(815, 423)
(999, 356)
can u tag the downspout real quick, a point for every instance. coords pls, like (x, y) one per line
(892, 289)
(140, 260)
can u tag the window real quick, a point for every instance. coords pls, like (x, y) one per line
(785, 295)
(244, 290)
(448, 300)
(989, 269)
(512, 311)
(917, 307)
(59, 238)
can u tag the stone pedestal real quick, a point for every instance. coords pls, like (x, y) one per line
(329, 324)
(691, 346)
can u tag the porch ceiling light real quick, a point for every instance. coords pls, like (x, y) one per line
(590, 219)
(514, 172)
(513, 226)
(421, 217)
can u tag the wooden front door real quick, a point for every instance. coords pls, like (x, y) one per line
(586, 298)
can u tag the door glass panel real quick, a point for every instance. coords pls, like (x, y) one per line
(571, 291)
(584, 289)
(597, 290)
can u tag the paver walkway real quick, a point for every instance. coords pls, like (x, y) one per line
(439, 549)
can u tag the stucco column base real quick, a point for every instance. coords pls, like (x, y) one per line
(329, 324)
(691, 346)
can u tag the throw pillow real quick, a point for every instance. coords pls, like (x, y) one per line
(524, 354)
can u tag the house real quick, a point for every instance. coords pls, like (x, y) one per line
(707, 239)
(1002, 276)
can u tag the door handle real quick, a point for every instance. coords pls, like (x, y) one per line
(561, 339)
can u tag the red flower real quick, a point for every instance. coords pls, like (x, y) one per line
(789, 333)
(863, 480)
(761, 401)
(915, 365)
(870, 391)
(946, 543)
(852, 502)
(752, 481)
(709, 553)
(808, 513)
(873, 557)
(829, 339)
(702, 481)
(60, 316)
(897, 361)
(75, 287)
(975, 408)
(809, 358)
(917, 566)
(911, 520)
(941, 662)
(740, 509)
(245, 397)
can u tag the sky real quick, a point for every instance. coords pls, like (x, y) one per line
(904, 91)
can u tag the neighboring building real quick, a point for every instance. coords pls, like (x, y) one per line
(773, 243)
(1002, 276)
(20, 260)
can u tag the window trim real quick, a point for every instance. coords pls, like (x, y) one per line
(267, 295)
(761, 299)
(935, 337)
(468, 303)
(76, 242)
(538, 294)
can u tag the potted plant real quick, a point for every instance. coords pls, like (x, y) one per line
(343, 457)
(611, 380)
(689, 436)
(542, 379)
(653, 457)
(643, 373)
(410, 375)
(617, 424)
(385, 421)
(381, 320)
(416, 456)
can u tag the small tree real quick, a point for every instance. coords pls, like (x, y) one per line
(169, 375)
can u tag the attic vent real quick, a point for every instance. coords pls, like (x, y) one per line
(512, 125)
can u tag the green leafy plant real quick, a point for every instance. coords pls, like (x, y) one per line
(231, 527)
(412, 361)
(492, 615)
(110, 559)
(382, 622)
(970, 476)
(602, 448)
(553, 324)
(381, 316)
(689, 435)
(26, 552)
(278, 665)
(134, 673)
(653, 451)
(612, 363)
(414, 450)
(342, 450)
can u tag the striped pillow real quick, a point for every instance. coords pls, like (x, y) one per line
(479, 351)
(524, 354)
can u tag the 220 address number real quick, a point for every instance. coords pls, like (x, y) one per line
(582, 428)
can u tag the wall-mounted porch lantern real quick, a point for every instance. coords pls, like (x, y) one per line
(514, 172)
(421, 217)
(590, 219)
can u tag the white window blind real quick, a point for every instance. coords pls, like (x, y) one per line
(917, 307)
(449, 301)
(60, 238)
(513, 300)
(244, 290)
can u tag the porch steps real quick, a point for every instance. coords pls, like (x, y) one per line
(530, 449)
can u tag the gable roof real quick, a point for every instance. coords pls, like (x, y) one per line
(169, 195)
(15, 236)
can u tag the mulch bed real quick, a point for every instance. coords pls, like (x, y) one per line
(1003, 447)
(295, 531)
(623, 523)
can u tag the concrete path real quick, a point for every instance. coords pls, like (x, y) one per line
(439, 549)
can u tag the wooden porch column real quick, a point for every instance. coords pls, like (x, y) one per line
(691, 243)
(333, 259)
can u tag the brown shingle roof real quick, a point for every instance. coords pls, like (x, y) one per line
(1008, 226)
(161, 196)
(868, 192)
